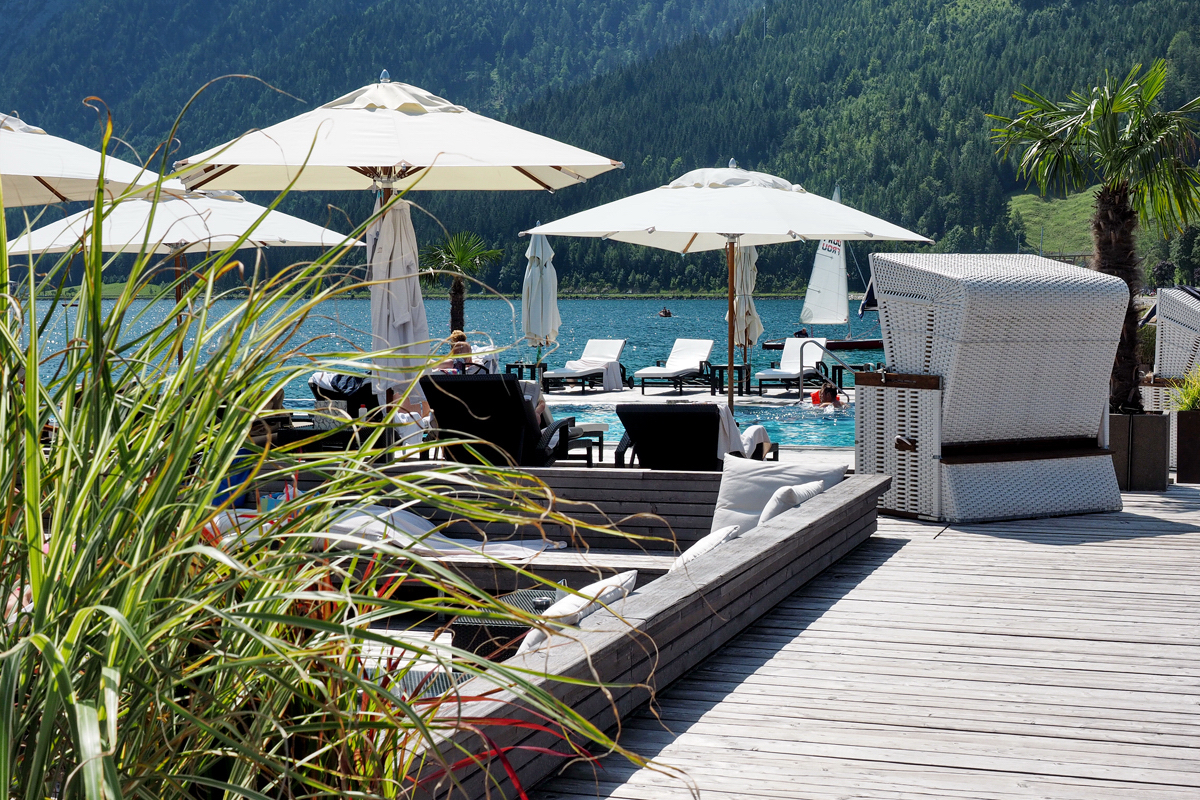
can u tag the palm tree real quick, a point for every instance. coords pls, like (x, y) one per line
(462, 254)
(1145, 161)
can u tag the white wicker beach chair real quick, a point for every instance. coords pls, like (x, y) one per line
(1176, 350)
(998, 388)
(797, 364)
(600, 363)
(687, 361)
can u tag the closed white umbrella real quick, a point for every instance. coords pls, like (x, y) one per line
(398, 135)
(747, 325)
(183, 222)
(539, 294)
(708, 209)
(397, 309)
(37, 168)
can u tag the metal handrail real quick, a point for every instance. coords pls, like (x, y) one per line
(827, 352)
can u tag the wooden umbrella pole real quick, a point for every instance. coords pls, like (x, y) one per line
(178, 300)
(730, 373)
(390, 393)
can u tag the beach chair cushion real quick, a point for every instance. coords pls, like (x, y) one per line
(748, 485)
(685, 357)
(704, 545)
(370, 524)
(789, 497)
(574, 607)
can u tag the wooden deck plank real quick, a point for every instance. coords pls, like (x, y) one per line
(1050, 658)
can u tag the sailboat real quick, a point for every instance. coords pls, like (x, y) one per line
(827, 301)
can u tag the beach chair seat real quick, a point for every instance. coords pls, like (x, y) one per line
(688, 361)
(599, 364)
(798, 365)
(492, 409)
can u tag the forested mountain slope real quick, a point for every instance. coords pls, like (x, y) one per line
(146, 57)
(886, 98)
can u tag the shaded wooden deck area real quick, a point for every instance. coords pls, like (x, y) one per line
(1040, 659)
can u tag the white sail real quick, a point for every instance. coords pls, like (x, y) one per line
(827, 300)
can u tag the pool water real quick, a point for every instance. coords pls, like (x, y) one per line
(787, 425)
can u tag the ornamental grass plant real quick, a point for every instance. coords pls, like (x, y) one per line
(1186, 395)
(146, 656)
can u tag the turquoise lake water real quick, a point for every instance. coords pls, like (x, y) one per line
(344, 324)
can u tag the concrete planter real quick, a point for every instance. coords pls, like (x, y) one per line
(1141, 447)
(1187, 447)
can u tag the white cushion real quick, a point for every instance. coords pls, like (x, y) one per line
(789, 497)
(747, 486)
(574, 607)
(377, 523)
(702, 546)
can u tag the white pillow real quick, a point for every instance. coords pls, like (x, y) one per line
(747, 486)
(574, 607)
(702, 546)
(789, 497)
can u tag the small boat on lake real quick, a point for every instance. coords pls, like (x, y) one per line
(666, 312)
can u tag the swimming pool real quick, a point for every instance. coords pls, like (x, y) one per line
(787, 425)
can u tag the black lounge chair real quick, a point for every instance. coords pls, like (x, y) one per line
(670, 436)
(492, 409)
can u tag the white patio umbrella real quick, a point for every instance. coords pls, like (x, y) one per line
(37, 168)
(397, 308)
(708, 209)
(395, 136)
(183, 222)
(747, 325)
(539, 294)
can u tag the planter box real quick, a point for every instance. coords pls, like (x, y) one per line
(1140, 444)
(1187, 447)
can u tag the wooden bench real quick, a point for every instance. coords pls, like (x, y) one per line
(665, 628)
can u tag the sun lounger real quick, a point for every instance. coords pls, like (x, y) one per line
(688, 361)
(798, 364)
(686, 436)
(599, 364)
(492, 409)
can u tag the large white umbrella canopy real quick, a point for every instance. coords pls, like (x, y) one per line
(700, 210)
(37, 168)
(747, 325)
(397, 310)
(180, 222)
(395, 134)
(710, 209)
(539, 294)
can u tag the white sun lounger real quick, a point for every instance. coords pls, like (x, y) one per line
(600, 363)
(687, 360)
(796, 364)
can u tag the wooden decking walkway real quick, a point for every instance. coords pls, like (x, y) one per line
(1042, 659)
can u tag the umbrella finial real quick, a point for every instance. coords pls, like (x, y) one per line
(733, 163)
(384, 77)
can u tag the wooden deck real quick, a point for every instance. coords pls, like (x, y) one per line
(1050, 658)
